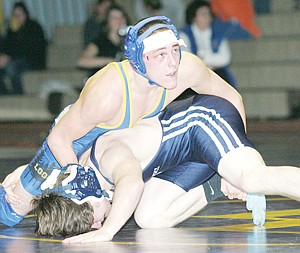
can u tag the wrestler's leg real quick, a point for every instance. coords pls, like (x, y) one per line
(29, 185)
(33, 175)
(175, 195)
(157, 210)
(245, 168)
(13, 213)
(217, 129)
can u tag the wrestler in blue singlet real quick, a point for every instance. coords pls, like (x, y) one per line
(44, 161)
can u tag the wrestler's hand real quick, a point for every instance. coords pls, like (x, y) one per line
(232, 192)
(95, 236)
(9, 184)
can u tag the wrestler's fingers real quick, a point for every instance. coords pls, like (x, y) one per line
(93, 236)
(243, 196)
(13, 200)
(12, 197)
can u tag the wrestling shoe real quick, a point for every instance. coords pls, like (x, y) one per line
(7, 215)
(257, 204)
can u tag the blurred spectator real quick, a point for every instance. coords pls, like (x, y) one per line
(207, 36)
(199, 36)
(173, 9)
(23, 48)
(92, 26)
(108, 46)
(228, 10)
(152, 7)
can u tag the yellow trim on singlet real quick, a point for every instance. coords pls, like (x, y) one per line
(158, 102)
(127, 101)
(124, 97)
(166, 100)
(129, 93)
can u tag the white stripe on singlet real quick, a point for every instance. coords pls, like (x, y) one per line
(181, 118)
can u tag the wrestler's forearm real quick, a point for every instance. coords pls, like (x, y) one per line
(62, 151)
(226, 91)
(126, 198)
(239, 104)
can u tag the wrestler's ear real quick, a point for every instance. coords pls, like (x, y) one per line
(97, 225)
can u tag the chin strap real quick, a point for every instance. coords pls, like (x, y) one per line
(149, 80)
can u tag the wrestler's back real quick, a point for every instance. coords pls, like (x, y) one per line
(142, 139)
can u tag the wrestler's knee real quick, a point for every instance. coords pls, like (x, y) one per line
(150, 217)
(245, 169)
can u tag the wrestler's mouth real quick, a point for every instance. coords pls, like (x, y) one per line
(172, 74)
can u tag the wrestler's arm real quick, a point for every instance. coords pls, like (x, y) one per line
(9, 184)
(98, 103)
(16, 195)
(126, 173)
(202, 80)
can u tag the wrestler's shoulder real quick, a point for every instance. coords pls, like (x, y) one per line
(190, 63)
(108, 78)
(189, 57)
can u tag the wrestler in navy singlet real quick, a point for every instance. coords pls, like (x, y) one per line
(201, 129)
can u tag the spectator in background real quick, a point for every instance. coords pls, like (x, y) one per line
(152, 7)
(92, 26)
(173, 9)
(108, 46)
(23, 48)
(207, 36)
(228, 10)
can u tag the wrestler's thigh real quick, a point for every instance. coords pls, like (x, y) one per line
(160, 194)
(164, 204)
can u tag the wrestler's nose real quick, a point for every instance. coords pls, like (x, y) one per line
(171, 60)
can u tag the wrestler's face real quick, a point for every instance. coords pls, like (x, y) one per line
(101, 210)
(162, 65)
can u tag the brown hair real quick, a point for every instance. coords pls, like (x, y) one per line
(60, 216)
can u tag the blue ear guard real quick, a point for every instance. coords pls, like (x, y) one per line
(134, 46)
(81, 185)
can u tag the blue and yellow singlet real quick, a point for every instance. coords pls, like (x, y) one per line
(85, 142)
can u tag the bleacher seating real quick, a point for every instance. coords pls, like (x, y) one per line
(61, 75)
(267, 69)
